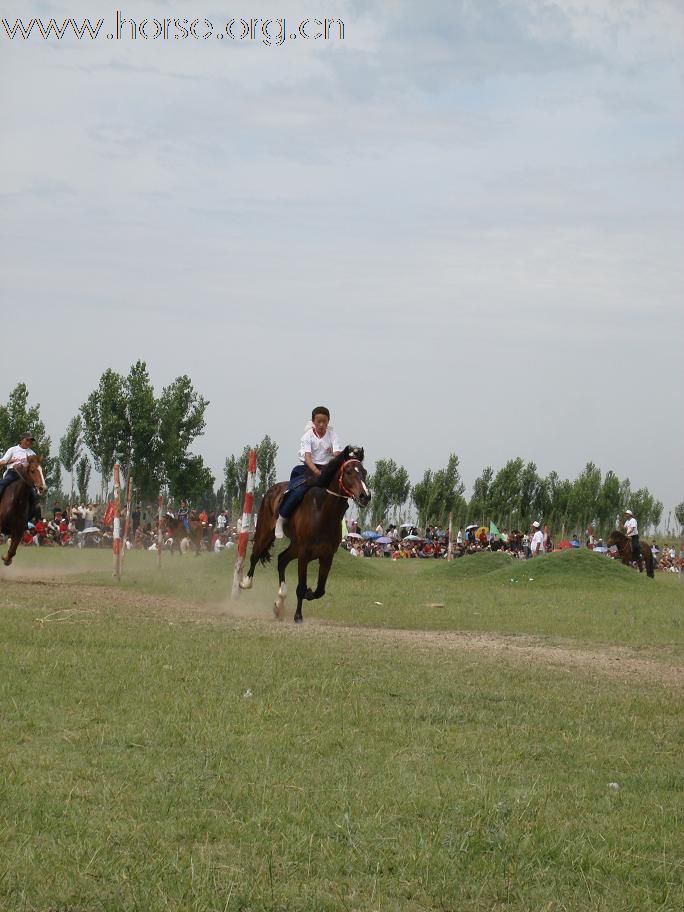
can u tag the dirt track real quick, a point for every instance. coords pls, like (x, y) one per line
(622, 663)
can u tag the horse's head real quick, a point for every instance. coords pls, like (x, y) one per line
(34, 473)
(353, 475)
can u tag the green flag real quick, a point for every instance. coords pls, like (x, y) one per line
(492, 529)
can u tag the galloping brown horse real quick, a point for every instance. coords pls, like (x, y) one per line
(624, 546)
(177, 531)
(15, 503)
(314, 529)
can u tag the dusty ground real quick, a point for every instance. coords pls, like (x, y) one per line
(47, 594)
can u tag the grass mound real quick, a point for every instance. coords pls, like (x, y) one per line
(579, 568)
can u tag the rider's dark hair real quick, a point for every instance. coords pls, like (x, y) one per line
(320, 410)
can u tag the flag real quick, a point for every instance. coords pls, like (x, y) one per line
(492, 529)
(109, 513)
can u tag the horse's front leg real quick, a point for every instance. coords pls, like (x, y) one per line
(284, 559)
(324, 565)
(14, 544)
(302, 588)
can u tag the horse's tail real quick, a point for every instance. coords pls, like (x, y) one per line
(264, 537)
(649, 560)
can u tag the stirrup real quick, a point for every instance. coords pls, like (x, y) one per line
(279, 531)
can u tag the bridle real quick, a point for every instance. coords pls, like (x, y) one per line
(341, 485)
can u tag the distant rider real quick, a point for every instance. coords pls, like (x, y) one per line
(184, 514)
(632, 533)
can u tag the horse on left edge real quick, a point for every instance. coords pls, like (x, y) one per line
(16, 501)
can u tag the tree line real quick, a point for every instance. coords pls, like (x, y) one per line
(512, 497)
(151, 437)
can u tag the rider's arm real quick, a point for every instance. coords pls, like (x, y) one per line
(310, 464)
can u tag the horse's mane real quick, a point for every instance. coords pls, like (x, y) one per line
(617, 535)
(333, 467)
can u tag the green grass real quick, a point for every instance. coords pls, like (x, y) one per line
(138, 773)
(575, 594)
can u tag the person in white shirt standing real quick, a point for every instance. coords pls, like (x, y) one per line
(17, 456)
(536, 540)
(632, 533)
(318, 446)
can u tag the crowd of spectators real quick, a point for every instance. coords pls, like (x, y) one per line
(405, 541)
(90, 526)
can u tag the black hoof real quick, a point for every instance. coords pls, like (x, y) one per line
(299, 620)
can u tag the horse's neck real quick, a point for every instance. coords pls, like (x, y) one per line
(332, 506)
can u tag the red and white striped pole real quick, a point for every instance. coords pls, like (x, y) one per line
(116, 534)
(246, 525)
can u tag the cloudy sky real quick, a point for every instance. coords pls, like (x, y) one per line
(460, 227)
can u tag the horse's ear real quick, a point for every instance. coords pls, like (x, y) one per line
(356, 452)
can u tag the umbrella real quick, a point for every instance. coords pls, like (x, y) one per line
(354, 535)
(90, 530)
(406, 525)
(370, 534)
(481, 530)
(473, 526)
(383, 540)
(413, 538)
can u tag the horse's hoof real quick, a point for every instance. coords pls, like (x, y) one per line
(246, 583)
(299, 620)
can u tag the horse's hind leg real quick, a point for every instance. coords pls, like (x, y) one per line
(261, 545)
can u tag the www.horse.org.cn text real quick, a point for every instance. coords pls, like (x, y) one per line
(269, 32)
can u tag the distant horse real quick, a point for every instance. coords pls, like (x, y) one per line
(176, 529)
(624, 546)
(16, 501)
(314, 529)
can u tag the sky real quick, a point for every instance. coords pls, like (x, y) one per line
(460, 226)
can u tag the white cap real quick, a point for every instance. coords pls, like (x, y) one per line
(629, 513)
(535, 524)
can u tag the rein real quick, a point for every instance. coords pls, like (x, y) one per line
(347, 493)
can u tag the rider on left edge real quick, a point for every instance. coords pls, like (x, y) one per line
(18, 456)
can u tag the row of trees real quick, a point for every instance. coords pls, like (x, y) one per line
(513, 497)
(122, 420)
(151, 437)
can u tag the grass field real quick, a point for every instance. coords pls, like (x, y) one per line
(493, 735)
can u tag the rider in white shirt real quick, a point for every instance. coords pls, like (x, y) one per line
(17, 457)
(319, 445)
